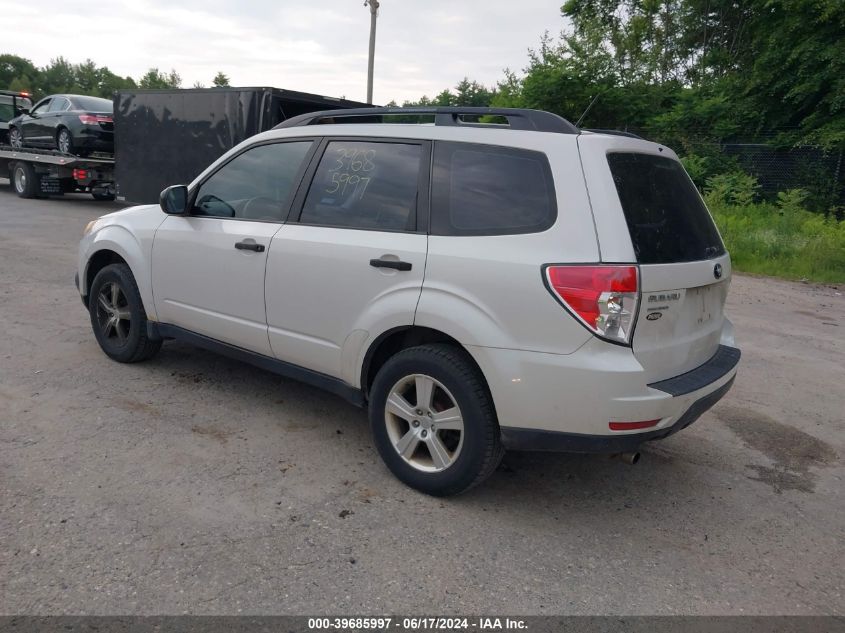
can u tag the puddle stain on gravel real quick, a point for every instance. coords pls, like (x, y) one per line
(792, 452)
(218, 434)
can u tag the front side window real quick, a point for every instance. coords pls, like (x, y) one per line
(489, 190)
(255, 185)
(41, 108)
(365, 185)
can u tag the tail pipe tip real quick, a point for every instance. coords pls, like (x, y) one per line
(627, 458)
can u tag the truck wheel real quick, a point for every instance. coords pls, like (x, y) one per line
(15, 138)
(118, 317)
(433, 420)
(64, 141)
(102, 196)
(24, 180)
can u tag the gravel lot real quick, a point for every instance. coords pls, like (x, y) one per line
(196, 484)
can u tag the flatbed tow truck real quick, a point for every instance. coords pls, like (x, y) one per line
(38, 173)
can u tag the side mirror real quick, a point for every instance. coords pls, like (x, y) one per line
(23, 110)
(174, 200)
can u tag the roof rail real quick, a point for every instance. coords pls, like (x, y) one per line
(613, 133)
(517, 118)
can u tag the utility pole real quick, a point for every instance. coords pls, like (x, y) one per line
(373, 4)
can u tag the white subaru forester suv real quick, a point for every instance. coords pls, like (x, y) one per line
(519, 284)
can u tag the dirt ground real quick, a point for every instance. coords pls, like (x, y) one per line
(196, 484)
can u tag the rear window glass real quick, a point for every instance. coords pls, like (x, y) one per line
(93, 104)
(666, 218)
(488, 190)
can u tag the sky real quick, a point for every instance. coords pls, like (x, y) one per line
(422, 46)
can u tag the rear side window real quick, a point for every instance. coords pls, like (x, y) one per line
(666, 218)
(365, 185)
(488, 190)
(58, 104)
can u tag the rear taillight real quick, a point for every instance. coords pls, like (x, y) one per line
(602, 297)
(95, 119)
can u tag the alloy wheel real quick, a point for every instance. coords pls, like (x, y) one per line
(15, 139)
(428, 434)
(64, 142)
(113, 315)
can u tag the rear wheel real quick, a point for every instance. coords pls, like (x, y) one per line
(15, 138)
(433, 420)
(64, 141)
(98, 195)
(24, 180)
(118, 317)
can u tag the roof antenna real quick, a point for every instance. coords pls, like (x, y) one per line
(581, 118)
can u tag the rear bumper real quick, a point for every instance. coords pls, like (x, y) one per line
(567, 402)
(535, 440)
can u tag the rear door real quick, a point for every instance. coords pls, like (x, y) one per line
(648, 210)
(351, 266)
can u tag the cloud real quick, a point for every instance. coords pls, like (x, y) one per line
(421, 47)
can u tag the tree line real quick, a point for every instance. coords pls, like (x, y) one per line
(692, 74)
(61, 76)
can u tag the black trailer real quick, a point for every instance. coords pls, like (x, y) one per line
(167, 137)
(37, 173)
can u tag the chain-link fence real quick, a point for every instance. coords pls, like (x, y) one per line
(819, 172)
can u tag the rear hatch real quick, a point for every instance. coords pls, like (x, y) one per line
(684, 268)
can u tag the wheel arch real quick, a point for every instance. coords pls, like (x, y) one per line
(99, 260)
(115, 244)
(396, 339)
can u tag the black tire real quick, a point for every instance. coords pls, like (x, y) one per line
(24, 180)
(15, 138)
(102, 196)
(480, 450)
(125, 343)
(64, 141)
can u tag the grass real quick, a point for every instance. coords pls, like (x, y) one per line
(781, 240)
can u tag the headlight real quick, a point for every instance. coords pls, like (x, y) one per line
(89, 227)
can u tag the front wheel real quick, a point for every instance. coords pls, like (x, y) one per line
(118, 317)
(15, 138)
(433, 420)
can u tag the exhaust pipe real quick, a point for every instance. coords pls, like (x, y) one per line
(627, 458)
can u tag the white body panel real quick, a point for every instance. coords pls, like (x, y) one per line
(204, 284)
(324, 299)
(688, 297)
(129, 233)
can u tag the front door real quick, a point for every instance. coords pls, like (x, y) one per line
(35, 127)
(208, 267)
(351, 266)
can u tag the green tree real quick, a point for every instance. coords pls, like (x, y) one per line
(156, 79)
(14, 68)
(220, 80)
